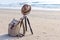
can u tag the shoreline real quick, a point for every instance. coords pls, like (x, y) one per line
(33, 8)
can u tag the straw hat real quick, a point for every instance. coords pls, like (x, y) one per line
(26, 9)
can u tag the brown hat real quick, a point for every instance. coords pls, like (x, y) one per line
(25, 9)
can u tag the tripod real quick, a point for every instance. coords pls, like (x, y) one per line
(24, 22)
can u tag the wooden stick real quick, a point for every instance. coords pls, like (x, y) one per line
(29, 26)
(23, 29)
(26, 23)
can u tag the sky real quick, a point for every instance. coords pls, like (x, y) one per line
(46, 1)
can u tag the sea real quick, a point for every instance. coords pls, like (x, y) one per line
(35, 5)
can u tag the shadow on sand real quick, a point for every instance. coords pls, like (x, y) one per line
(6, 37)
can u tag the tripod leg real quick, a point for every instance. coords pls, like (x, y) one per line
(21, 23)
(25, 23)
(20, 35)
(23, 29)
(29, 26)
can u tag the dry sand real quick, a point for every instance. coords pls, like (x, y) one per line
(45, 24)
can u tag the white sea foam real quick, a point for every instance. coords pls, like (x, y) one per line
(36, 5)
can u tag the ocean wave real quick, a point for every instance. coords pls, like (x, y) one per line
(33, 4)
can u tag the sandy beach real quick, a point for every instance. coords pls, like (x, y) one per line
(45, 24)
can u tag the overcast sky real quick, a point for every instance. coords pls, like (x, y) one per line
(47, 1)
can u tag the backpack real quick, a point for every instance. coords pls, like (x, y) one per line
(14, 27)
